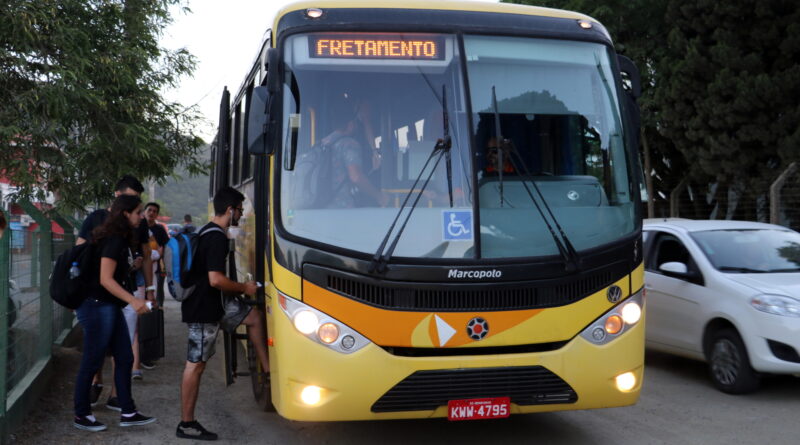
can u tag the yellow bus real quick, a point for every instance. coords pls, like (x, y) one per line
(444, 207)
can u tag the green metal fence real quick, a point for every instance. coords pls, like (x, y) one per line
(30, 323)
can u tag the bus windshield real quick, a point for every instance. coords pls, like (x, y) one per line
(362, 113)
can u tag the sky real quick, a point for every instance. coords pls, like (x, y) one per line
(225, 37)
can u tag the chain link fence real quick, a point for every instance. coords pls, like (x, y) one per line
(30, 322)
(777, 202)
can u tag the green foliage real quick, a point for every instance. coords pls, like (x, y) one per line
(730, 88)
(80, 101)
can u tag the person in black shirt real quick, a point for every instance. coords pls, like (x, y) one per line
(100, 315)
(127, 185)
(205, 310)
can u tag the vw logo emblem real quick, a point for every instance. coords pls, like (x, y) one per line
(614, 293)
(477, 328)
(573, 195)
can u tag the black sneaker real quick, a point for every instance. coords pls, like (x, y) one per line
(147, 365)
(94, 393)
(193, 430)
(136, 419)
(83, 423)
(113, 403)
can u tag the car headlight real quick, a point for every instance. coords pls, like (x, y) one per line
(617, 321)
(776, 304)
(321, 327)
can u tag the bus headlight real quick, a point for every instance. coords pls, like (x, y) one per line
(320, 327)
(306, 322)
(616, 321)
(631, 312)
(328, 333)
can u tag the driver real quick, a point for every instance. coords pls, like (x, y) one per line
(350, 185)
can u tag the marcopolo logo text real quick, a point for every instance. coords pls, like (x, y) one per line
(475, 274)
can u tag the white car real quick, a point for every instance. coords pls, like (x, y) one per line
(726, 292)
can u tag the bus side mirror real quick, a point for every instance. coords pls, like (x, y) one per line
(627, 67)
(273, 79)
(258, 122)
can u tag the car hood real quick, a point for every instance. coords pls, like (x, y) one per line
(771, 283)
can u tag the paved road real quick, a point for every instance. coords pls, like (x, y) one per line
(678, 406)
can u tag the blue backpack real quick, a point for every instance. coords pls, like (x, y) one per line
(178, 255)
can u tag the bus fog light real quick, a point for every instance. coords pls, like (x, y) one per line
(348, 341)
(598, 334)
(626, 381)
(311, 395)
(328, 333)
(631, 313)
(306, 322)
(614, 324)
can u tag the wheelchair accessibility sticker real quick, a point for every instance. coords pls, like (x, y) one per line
(457, 225)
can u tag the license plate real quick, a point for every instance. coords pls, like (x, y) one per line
(473, 409)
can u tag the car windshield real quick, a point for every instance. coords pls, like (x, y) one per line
(362, 113)
(751, 251)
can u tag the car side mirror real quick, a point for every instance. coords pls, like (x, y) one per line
(258, 128)
(674, 268)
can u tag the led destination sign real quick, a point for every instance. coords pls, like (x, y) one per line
(377, 46)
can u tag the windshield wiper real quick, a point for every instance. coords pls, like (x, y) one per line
(498, 137)
(565, 248)
(742, 269)
(381, 257)
(447, 143)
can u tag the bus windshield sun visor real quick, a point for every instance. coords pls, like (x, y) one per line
(506, 147)
(440, 150)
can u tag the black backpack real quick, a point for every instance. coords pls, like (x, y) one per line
(70, 292)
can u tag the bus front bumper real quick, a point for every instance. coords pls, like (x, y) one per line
(350, 384)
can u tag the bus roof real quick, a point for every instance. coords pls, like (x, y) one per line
(447, 5)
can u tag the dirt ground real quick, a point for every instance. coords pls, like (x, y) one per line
(678, 405)
(158, 394)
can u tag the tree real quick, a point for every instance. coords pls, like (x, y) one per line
(730, 95)
(80, 101)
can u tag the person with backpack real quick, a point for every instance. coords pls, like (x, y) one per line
(349, 184)
(204, 312)
(127, 185)
(100, 314)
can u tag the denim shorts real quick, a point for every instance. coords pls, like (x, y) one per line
(203, 336)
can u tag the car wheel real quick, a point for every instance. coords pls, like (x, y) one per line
(729, 364)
